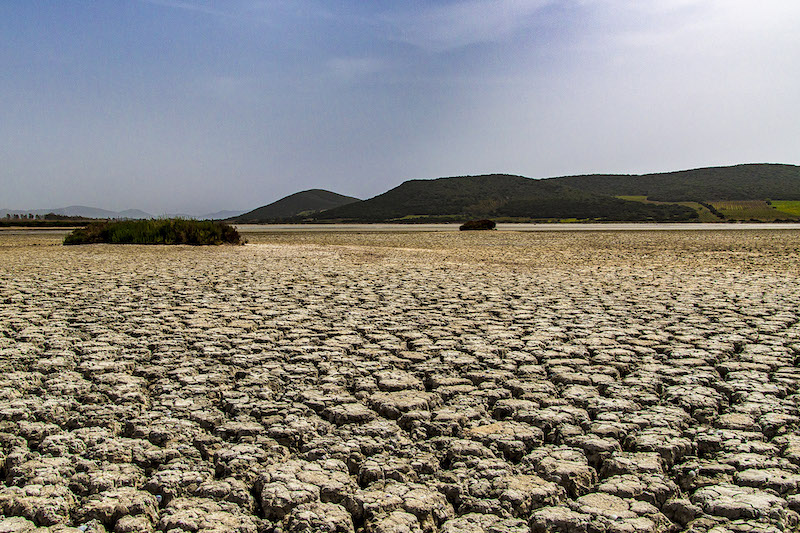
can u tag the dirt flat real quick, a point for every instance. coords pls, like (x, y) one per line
(414, 381)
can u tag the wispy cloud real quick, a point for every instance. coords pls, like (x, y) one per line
(276, 13)
(350, 68)
(465, 22)
(206, 7)
(715, 32)
(683, 16)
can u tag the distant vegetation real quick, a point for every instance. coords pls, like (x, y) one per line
(42, 223)
(164, 231)
(717, 194)
(714, 211)
(752, 192)
(498, 196)
(295, 206)
(753, 210)
(49, 220)
(740, 182)
(741, 210)
(787, 206)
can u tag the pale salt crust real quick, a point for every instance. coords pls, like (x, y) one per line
(402, 381)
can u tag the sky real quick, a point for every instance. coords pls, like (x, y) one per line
(196, 106)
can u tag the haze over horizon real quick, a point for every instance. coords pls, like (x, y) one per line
(196, 106)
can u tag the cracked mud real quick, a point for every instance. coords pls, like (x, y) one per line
(402, 382)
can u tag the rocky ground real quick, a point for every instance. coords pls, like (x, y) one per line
(430, 382)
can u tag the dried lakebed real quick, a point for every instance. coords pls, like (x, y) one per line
(402, 382)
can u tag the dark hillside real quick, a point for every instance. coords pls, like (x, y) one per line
(443, 196)
(740, 182)
(297, 204)
(498, 195)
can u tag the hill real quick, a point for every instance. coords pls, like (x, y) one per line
(740, 182)
(497, 196)
(295, 205)
(219, 215)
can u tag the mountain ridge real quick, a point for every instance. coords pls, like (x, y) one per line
(496, 196)
(99, 213)
(711, 193)
(666, 196)
(745, 181)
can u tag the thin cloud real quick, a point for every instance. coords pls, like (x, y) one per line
(732, 16)
(275, 13)
(466, 22)
(200, 7)
(350, 68)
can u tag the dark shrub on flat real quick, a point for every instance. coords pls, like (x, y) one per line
(164, 231)
(477, 225)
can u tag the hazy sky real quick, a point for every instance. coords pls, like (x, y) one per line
(200, 105)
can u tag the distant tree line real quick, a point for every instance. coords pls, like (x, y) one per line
(47, 220)
(714, 210)
(48, 216)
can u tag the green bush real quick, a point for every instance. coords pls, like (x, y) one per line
(163, 231)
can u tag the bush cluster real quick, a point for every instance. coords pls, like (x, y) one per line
(477, 225)
(162, 231)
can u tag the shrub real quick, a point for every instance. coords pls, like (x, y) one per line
(477, 225)
(164, 231)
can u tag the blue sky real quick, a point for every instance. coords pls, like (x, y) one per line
(200, 105)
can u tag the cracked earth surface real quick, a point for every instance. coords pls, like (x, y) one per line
(402, 382)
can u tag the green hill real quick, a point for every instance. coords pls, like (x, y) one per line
(740, 182)
(497, 196)
(299, 204)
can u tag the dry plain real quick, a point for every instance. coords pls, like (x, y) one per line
(507, 382)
